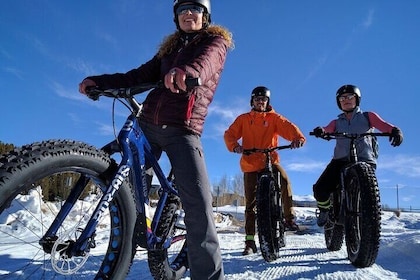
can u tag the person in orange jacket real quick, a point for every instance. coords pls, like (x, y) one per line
(260, 128)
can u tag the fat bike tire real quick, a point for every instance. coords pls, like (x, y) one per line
(35, 181)
(169, 263)
(363, 220)
(269, 219)
(333, 229)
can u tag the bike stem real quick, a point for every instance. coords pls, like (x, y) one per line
(353, 151)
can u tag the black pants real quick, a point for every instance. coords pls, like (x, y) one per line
(329, 180)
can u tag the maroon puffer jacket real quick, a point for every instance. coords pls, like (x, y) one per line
(203, 57)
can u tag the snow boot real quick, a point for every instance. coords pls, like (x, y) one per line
(290, 225)
(250, 248)
(322, 217)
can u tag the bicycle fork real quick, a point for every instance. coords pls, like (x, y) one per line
(85, 241)
(342, 207)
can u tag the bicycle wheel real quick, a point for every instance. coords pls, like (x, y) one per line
(333, 229)
(269, 219)
(35, 182)
(363, 221)
(169, 261)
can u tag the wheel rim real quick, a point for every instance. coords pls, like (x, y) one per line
(26, 220)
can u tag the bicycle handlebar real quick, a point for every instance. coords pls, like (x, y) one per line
(95, 92)
(334, 135)
(267, 150)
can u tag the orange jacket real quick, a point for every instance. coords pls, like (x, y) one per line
(260, 130)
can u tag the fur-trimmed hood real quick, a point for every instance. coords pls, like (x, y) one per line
(170, 42)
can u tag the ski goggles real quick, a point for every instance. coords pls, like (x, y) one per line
(194, 9)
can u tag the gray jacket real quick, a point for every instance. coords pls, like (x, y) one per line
(364, 146)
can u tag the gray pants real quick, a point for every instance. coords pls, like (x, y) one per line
(185, 154)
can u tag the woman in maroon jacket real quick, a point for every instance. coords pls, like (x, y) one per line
(172, 118)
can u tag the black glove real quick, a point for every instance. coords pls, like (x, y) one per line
(318, 131)
(238, 149)
(396, 137)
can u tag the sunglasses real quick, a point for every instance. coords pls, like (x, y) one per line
(348, 97)
(261, 98)
(194, 9)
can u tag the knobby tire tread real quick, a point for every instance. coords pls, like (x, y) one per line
(334, 232)
(23, 166)
(270, 230)
(161, 267)
(365, 252)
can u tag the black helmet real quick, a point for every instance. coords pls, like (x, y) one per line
(348, 89)
(260, 91)
(204, 3)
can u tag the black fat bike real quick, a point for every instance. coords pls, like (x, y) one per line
(80, 213)
(355, 214)
(270, 216)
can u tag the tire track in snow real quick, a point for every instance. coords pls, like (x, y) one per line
(304, 257)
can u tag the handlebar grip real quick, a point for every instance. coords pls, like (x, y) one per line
(311, 133)
(92, 93)
(193, 82)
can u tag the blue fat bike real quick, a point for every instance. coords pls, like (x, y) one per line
(79, 213)
(355, 213)
(269, 214)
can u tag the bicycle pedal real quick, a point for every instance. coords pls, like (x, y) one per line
(329, 226)
(282, 243)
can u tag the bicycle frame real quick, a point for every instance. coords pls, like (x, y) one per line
(136, 156)
(269, 213)
(344, 205)
(355, 215)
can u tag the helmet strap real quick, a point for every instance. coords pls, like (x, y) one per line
(349, 111)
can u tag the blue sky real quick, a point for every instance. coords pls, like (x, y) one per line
(302, 50)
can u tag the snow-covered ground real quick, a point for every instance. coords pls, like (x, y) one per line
(304, 257)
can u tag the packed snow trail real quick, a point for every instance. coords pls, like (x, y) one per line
(306, 257)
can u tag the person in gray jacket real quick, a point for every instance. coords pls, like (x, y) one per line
(352, 120)
(173, 116)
